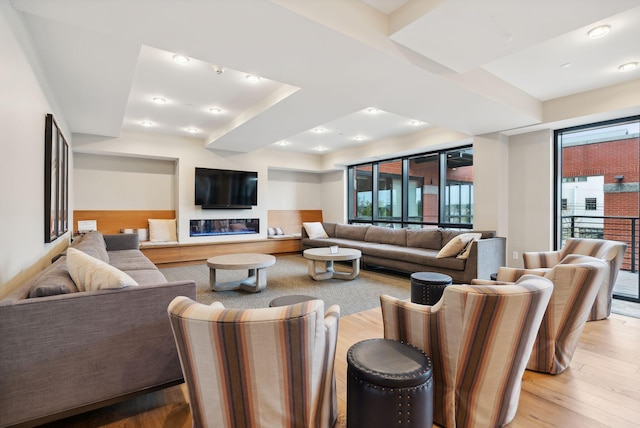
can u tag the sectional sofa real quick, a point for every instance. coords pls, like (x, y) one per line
(415, 250)
(66, 351)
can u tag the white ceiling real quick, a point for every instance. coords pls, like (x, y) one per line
(467, 65)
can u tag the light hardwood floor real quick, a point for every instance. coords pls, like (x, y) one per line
(600, 389)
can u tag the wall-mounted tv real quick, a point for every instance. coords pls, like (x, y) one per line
(223, 188)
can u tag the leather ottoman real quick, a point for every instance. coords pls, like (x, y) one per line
(427, 287)
(389, 384)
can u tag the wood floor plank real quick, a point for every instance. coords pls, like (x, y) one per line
(601, 388)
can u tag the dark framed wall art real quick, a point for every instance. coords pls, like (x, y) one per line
(56, 181)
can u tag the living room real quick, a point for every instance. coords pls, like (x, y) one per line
(513, 163)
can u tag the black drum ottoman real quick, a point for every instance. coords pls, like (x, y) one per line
(427, 287)
(389, 384)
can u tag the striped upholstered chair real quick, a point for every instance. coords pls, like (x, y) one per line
(576, 283)
(479, 339)
(267, 367)
(612, 252)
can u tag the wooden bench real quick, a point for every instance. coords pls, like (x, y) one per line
(290, 221)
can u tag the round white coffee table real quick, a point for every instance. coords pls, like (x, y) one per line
(256, 264)
(320, 262)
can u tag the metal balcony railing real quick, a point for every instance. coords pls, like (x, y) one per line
(623, 229)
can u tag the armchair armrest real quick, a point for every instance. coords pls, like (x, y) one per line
(407, 321)
(541, 259)
(507, 274)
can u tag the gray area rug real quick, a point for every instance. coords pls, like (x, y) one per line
(289, 276)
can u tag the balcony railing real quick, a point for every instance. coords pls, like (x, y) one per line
(623, 229)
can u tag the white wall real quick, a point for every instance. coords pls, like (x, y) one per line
(530, 194)
(23, 107)
(124, 183)
(294, 190)
(491, 183)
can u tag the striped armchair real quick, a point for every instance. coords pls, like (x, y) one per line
(576, 283)
(611, 252)
(479, 339)
(267, 367)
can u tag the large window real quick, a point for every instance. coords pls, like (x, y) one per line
(598, 191)
(427, 190)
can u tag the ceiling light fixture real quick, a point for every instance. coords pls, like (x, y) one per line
(318, 130)
(628, 66)
(320, 149)
(146, 123)
(373, 110)
(218, 69)
(252, 78)
(359, 137)
(283, 143)
(180, 59)
(600, 31)
(193, 130)
(215, 110)
(566, 65)
(416, 122)
(159, 100)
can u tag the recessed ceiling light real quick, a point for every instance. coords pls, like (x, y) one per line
(218, 69)
(320, 149)
(159, 100)
(416, 122)
(628, 66)
(181, 59)
(373, 110)
(597, 32)
(566, 65)
(193, 130)
(318, 130)
(283, 143)
(215, 110)
(359, 137)
(252, 78)
(146, 123)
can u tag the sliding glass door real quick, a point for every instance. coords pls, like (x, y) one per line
(598, 189)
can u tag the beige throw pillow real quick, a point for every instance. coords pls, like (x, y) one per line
(315, 230)
(89, 273)
(162, 230)
(457, 245)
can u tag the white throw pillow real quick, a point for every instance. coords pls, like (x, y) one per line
(162, 230)
(457, 245)
(90, 273)
(315, 230)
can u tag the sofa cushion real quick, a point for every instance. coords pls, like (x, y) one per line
(93, 244)
(90, 273)
(330, 228)
(351, 231)
(424, 238)
(147, 276)
(53, 280)
(457, 245)
(127, 260)
(162, 230)
(315, 230)
(386, 235)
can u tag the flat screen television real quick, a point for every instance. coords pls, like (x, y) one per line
(223, 188)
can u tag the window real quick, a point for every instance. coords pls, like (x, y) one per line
(564, 204)
(427, 190)
(591, 204)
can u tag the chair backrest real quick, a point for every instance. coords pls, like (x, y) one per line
(254, 367)
(576, 284)
(479, 339)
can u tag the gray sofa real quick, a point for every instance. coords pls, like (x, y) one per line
(64, 351)
(414, 250)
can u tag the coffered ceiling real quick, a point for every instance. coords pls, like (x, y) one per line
(359, 70)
